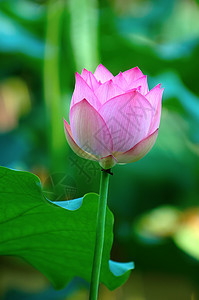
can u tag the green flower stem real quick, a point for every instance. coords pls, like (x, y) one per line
(99, 242)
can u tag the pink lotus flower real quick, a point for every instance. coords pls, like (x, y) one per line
(113, 119)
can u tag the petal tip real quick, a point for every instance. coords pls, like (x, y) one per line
(65, 122)
(77, 76)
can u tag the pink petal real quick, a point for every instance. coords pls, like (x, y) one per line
(128, 118)
(89, 129)
(121, 81)
(141, 82)
(107, 91)
(155, 98)
(90, 79)
(83, 91)
(102, 74)
(74, 146)
(132, 75)
(138, 151)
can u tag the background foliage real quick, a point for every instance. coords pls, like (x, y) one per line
(155, 201)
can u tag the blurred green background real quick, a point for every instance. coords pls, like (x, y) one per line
(155, 200)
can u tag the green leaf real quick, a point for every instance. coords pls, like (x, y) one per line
(58, 241)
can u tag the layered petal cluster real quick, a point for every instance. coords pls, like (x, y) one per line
(113, 119)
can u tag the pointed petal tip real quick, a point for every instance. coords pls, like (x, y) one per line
(83, 90)
(82, 102)
(84, 72)
(155, 89)
(66, 125)
(77, 75)
(67, 129)
(102, 73)
(130, 92)
(100, 66)
(158, 86)
(137, 68)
